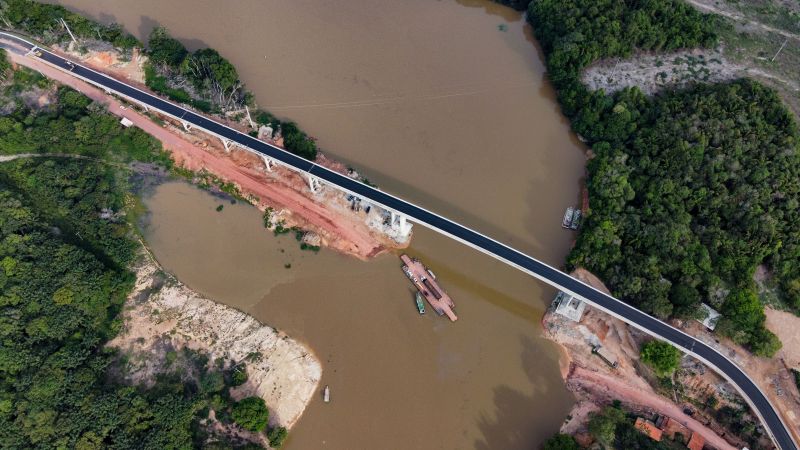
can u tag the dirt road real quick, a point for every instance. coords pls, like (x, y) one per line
(614, 387)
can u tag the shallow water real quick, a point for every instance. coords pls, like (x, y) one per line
(441, 102)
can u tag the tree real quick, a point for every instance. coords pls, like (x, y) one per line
(276, 436)
(251, 413)
(208, 70)
(603, 424)
(662, 357)
(669, 222)
(5, 64)
(164, 49)
(561, 442)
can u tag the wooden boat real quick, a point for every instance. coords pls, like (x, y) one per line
(420, 303)
(326, 394)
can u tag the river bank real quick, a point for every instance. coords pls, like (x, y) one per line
(327, 213)
(595, 384)
(162, 316)
(687, 398)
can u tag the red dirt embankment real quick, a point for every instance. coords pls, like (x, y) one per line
(326, 213)
(595, 384)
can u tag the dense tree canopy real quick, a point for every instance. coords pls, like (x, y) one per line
(164, 49)
(251, 413)
(561, 442)
(689, 190)
(661, 356)
(42, 21)
(65, 247)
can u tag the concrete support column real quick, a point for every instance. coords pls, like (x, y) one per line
(226, 143)
(269, 164)
(313, 183)
(146, 108)
(405, 227)
(186, 126)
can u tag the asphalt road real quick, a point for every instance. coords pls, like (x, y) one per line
(416, 214)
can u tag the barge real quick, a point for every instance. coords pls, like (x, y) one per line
(428, 287)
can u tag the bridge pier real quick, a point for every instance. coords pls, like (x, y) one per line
(269, 164)
(146, 108)
(186, 126)
(400, 223)
(226, 143)
(313, 183)
(404, 226)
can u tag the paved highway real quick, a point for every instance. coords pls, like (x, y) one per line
(775, 426)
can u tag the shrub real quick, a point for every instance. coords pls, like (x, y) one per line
(251, 413)
(276, 436)
(561, 442)
(238, 375)
(661, 356)
(164, 49)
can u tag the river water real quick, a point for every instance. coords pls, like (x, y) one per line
(441, 102)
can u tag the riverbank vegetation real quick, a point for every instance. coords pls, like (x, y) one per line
(613, 428)
(662, 357)
(691, 190)
(66, 243)
(202, 79)
(210, 83)
(43, 21)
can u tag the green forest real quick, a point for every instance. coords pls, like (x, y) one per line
(66, 242)
(689, 190)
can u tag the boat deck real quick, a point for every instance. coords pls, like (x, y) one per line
(429, 288)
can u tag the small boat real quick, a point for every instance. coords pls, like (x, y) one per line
(420, 303)
(430, 272)
(326, 394)
(576, 220)
(567, 221)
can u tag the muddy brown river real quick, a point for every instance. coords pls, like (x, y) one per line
(441, 102)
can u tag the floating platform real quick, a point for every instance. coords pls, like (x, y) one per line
(428, 287)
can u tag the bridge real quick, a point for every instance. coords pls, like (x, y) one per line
(405, 211)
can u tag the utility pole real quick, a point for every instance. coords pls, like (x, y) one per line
(779, 50)
(64, 22)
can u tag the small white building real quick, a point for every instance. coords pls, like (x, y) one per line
(126, 122)
(569, 306)
(711, 318)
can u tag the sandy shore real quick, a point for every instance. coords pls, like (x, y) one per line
(162, 314)
(326, 213)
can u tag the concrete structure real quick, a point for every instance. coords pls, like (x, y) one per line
(605, 355)
(773, 422)
(711, 318)
(126, 122)
(569, 306)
